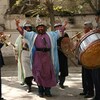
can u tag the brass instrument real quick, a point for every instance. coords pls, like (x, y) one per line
(78, 34)
(4, 39)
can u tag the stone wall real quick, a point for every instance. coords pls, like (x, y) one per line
(79, 20)
(9, 20)
(4, 5)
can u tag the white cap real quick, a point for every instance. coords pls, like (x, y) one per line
(88, 23)
(57, 23)
(26, 24)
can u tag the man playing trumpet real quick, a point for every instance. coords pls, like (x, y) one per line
(4, 39)
(1, 64)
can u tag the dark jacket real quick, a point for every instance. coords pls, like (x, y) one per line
(63, 60)
(1, 57)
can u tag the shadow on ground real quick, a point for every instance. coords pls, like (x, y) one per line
(12, 90)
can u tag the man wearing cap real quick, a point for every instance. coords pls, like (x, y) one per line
(96, 72)
(22, 58)
(1, 65)
(87, 79)
(43, 52)
(63, 60)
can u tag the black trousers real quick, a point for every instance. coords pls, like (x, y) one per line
(0, 85)
(62, 80)
(96, 78)
(63, 64)
(45, 90)
(87, 81)
(28, 80)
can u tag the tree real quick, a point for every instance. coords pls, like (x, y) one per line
(50, 8)
(34, 7)
(94, 4)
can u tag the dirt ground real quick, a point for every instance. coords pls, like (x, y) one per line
(12, 90)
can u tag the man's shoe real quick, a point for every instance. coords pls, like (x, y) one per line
(88, 95)
(93, 98)
(41, 95)
(29, 89)
(48, 94)
(2, 99)
(62, 86)
(22, 83)
(82, 93)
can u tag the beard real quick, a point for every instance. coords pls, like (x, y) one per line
(41, 31)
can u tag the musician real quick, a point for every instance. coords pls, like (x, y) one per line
(1, 65)
(87, 79)
(63, 60)
(96, 72)
(2, 59)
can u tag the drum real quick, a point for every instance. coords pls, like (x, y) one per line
(66, 45)
(88, 50)
(67, 48)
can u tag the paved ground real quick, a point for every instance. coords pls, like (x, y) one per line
(12, 90)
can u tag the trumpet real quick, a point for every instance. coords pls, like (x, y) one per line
(4, 39)
(76, 35)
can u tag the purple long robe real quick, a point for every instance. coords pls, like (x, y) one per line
(43, 69)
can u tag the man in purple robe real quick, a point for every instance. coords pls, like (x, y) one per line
(45, 64)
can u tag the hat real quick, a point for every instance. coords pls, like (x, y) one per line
(57, 23)
(88, 23)
(40, 22)
(26, 24)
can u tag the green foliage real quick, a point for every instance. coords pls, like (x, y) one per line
(18, 3)
(59, 7)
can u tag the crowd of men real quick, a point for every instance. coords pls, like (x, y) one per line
(39, 57)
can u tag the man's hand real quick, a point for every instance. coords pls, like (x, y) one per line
(17, 22)
(19, 28)
(65, 23)
(63, 28)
